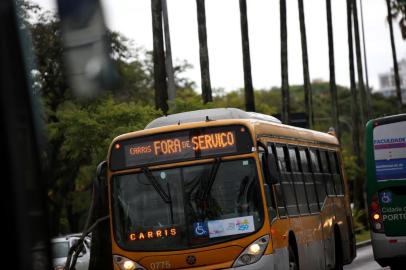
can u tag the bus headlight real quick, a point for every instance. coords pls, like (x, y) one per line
(253, 252)
(126, 264)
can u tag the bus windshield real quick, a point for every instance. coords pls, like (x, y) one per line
(184, 207)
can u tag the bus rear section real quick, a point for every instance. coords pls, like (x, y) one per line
(386, 188)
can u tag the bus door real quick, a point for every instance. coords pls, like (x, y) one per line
(390, 166)
(307, 247)
(329, 211)
(325, 208)
(316, 244)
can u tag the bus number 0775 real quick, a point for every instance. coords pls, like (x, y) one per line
(160, 265)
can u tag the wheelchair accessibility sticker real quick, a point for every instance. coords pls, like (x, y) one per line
(386, 197)
(200, 229)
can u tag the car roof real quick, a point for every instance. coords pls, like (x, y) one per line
(67, 237)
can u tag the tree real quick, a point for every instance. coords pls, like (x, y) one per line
(161, 93)
(395, 61)
(305, 60)
(358, 198)
(203, 51)
(333, 86)
(68, 172)
(249, 91)
(365, 116)
(284, 63)
(398, 9)
(168, 51)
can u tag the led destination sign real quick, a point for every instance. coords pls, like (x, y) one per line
(180, 145)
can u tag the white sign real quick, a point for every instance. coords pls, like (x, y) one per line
(390, 151)
(230, 226)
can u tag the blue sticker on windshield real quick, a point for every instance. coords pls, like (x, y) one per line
(386, 197)
(200, 229)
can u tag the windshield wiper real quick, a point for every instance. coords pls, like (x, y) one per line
(165, 197)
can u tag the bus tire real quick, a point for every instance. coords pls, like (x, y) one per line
(338, 250)
(293, 254)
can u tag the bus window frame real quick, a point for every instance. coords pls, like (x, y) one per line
(288, 173)
(270, 199)
(339, 168)
(298, 171)
(271, 145)
(323, 152)
(311, 172)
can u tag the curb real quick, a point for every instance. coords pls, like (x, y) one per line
(363, 243)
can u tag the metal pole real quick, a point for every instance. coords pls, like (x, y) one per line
(168, 53)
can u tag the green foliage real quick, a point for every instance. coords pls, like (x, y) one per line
(87, 132)
(359, 216)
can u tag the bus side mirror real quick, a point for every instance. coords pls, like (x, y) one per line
(101, 171)
(100, 183)
(273, 169)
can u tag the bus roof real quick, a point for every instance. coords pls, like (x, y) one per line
(208, 115)
(261, 125)
(387, 119)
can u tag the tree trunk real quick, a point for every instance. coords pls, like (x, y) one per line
(161, 94)
(358, 198)
(368, 90)
(365, 116)
(203, 50)
(395, 61)
(249, 90)
(333, 86)
(284, 64)
(305, 60)
(168, 53)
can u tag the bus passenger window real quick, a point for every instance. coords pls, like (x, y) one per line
(286, 181)
(281, 159)
(308, 179)
(270, 204)
(314, 161)
(298, 183)
(334, 165)
(328, 178)
(293, 160)
(279, 192)
(318, 177)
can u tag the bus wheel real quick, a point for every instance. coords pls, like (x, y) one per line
(293, 261)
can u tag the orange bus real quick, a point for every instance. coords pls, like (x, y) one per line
(228, 189)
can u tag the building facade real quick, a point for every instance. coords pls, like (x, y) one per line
(387, 85)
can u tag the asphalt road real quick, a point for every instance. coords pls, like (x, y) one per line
(364, 260)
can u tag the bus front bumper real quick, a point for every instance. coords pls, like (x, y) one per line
(388, 248)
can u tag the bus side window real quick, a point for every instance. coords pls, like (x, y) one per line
(298, 183)
(335, 170)
(308, 180)
(327, 175)
(279, 192)
(267, 189)
(286, 181)
(317, 177)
